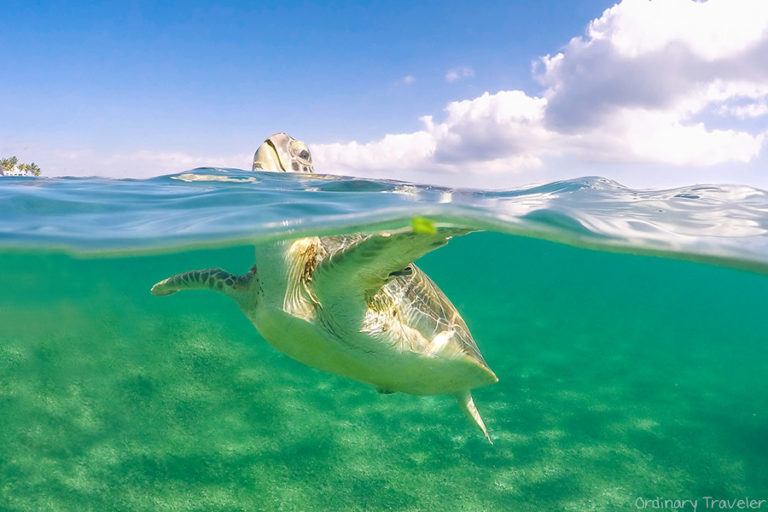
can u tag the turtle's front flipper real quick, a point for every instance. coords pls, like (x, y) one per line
(211, 278)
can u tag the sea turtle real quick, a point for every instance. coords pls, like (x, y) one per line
(354, 305)
(281, 152)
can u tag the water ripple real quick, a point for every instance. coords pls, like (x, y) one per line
(724, 224)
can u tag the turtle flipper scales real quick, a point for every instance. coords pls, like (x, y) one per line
(212, 279)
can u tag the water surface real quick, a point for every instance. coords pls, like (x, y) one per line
(623, 374)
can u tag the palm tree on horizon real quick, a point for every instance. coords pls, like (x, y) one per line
(8, 165)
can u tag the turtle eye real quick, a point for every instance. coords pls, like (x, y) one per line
(304, 154)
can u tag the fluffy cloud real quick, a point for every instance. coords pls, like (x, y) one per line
(500, 128)
(666, 83)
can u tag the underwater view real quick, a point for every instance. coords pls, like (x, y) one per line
(627, 329)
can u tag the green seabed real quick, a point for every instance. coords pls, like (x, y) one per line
(620, 377)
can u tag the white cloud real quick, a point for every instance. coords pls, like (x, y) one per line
(645, 84)
(400, 151)
(135, 164)
(499, 128)
(407, 80)
(744, 106)
(456, 74)
(756, 109)
(711, 30)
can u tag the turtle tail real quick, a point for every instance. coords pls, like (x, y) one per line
(212, 279)
(468, 406)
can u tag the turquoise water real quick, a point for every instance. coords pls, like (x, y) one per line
(623, 375)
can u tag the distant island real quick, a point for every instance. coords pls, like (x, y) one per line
(12, 167)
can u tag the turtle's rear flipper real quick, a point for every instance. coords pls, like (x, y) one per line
(211, 278)
(468, 406)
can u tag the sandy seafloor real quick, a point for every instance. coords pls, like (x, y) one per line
(620, 377)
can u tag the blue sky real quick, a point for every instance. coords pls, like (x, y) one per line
(140, 88)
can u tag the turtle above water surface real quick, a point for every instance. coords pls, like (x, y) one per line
(354, 305)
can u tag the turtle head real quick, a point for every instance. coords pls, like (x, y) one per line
(281, 152)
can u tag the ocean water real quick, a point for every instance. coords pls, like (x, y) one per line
(628, 330)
